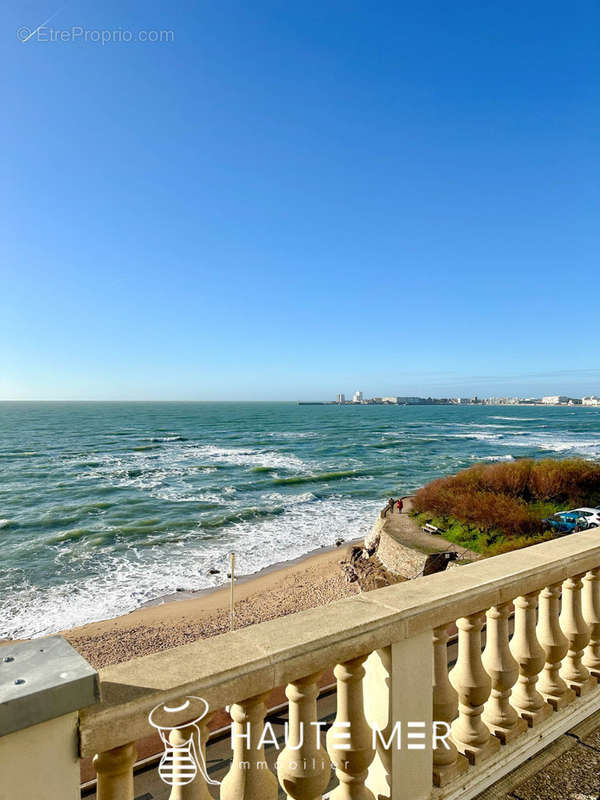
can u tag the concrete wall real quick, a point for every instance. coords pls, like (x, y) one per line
(395, 557)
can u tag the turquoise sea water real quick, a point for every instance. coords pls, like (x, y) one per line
(104, 506)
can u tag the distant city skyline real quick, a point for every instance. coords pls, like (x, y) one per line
(586, 398)
(359, 398)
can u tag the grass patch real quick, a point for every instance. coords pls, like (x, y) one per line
(488, 543)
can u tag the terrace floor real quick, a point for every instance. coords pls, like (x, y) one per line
(569, 769)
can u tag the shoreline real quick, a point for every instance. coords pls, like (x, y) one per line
(278, 566)
(319, 577)
(283, 588)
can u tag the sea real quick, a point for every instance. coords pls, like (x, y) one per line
(107, 506)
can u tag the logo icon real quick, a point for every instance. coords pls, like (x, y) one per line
(181, 762)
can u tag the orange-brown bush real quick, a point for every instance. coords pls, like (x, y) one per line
(501, 497)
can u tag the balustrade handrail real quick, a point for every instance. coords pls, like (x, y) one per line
(257, 659)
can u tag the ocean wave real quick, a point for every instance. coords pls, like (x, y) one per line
(589, 448)
(248, 457)
(482, 437)
(100, 527)
(134, 576)
(151, 531)
(73, 535)
(240, 515)
(286, 499)
(518, 419)
(20, 454)
(322, 477)
(292, 434)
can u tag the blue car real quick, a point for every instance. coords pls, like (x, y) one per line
(567, 522)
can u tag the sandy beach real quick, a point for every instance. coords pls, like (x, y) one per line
(316, 579)
(312, 581)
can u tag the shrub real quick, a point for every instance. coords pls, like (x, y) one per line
(510, 500)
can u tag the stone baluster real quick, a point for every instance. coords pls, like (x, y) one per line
(399, 709)
(500, 717)
(114, 769)
(350, 739)
(577, 631)
(555, 645)
(447, 763)
(197, 788)
(591, 614)
(249, 778)
(524, 645)
(303, 767)
(473, 686)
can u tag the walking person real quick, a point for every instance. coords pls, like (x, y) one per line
(400, 505)
(389, 507)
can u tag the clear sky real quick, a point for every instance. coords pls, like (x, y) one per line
(291, 199)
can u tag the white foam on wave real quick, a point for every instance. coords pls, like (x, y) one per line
(165, 473)
(482, 436)
(292, 434)
(278, 499)
(189, 495)
(480, 425)
(248, 457)
(494, 458)
(518, 419)
(137, 575)
(589, 448)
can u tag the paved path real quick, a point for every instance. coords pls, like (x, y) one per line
(405, 530)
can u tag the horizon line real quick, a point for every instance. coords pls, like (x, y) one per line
(297, 400)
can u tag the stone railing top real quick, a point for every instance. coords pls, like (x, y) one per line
(234, 666)
(41, 680)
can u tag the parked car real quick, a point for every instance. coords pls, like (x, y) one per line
(591, 515)
(578, 519)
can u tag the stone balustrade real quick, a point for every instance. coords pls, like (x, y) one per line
(439, 733)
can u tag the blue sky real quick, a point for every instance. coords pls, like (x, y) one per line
(294, 199)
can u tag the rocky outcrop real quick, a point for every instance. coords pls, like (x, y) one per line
(365, 568)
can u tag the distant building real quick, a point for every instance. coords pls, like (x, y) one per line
(341, 398)
(394, 400)
(590, 401)
(358, 397)
(554, 400)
